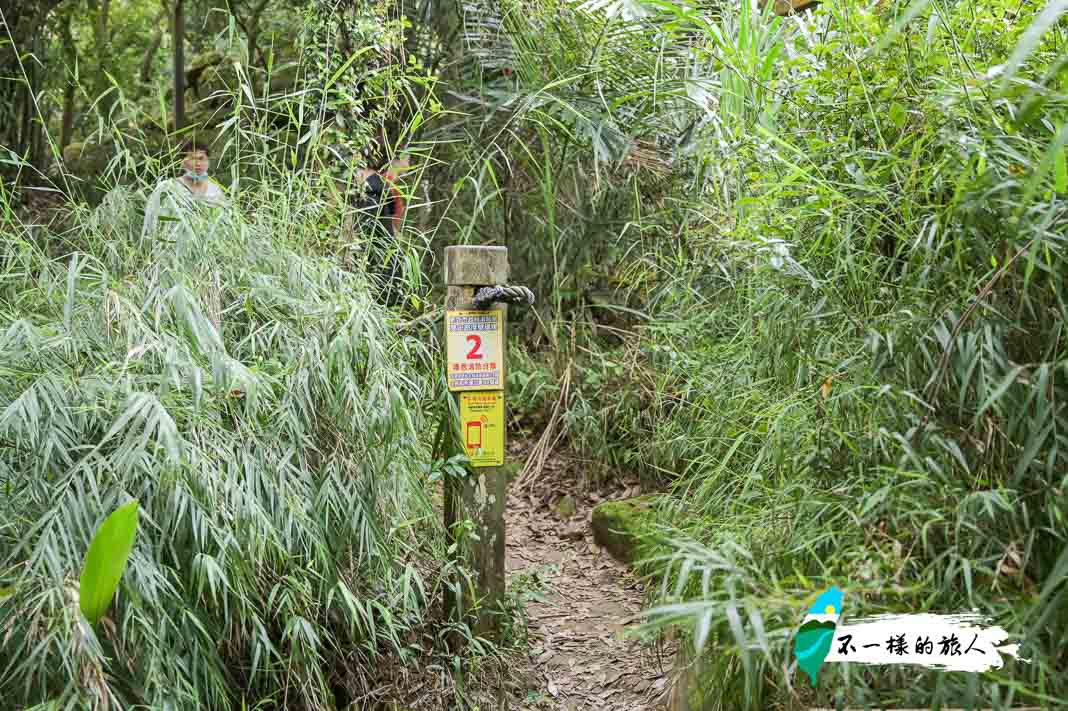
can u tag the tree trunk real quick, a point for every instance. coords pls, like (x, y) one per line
(252, 32)
(789, 7)
(153, 46)
(32, 127)
(179, 65)
(250, 26)
(70, 52)
(67, 130)
(102, 49)
(253, 43)
(18, 109)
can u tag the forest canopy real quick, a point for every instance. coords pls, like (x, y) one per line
(800, 275)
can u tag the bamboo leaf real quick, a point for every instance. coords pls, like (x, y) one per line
(344, 67)
(72, 286)
(700, 635)
(999, 390)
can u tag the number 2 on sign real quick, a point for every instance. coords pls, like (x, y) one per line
(473, 354)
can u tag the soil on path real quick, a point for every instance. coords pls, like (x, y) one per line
(581, 604)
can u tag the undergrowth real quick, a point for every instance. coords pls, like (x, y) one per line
(845, 365)
(235, 374)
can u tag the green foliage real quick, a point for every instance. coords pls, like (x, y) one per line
(624, 528)
(242, 384)
(367, 95)
(870, 346)
(807, 273)
(106, 560)
(840, 323)
(264, 428)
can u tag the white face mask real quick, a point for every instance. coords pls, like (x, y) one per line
(196, 177)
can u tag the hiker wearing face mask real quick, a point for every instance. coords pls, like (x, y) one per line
(176, 199)
(381, 212)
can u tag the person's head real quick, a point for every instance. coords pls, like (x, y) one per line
(196, 159)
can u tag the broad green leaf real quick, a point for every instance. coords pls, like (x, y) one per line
(898, 114)
(106, 561)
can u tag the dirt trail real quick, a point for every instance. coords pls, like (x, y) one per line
(579, 659)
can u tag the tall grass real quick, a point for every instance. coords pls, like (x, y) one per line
(237, 377)
(265, 413)
(834, 331)
(877, 405)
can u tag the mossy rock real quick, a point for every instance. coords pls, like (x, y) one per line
(87, 164)
(87, 159)
(618, 527)
(204, 74)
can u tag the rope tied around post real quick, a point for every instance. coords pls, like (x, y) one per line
(505, 293)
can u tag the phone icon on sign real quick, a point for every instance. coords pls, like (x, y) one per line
(474, 434)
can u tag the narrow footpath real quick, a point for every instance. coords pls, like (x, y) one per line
(582, 601)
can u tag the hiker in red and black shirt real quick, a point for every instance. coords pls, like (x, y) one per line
(381, 209)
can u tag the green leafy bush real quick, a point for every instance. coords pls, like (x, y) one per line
(872, 349)
(272, 423)
(844, 345)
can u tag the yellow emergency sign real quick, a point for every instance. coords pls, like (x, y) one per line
(482, 423)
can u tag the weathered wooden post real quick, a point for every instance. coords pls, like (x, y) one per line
(476, 361)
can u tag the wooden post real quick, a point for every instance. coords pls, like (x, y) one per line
(480, 496)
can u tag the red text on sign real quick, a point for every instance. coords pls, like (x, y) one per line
(474, 354)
